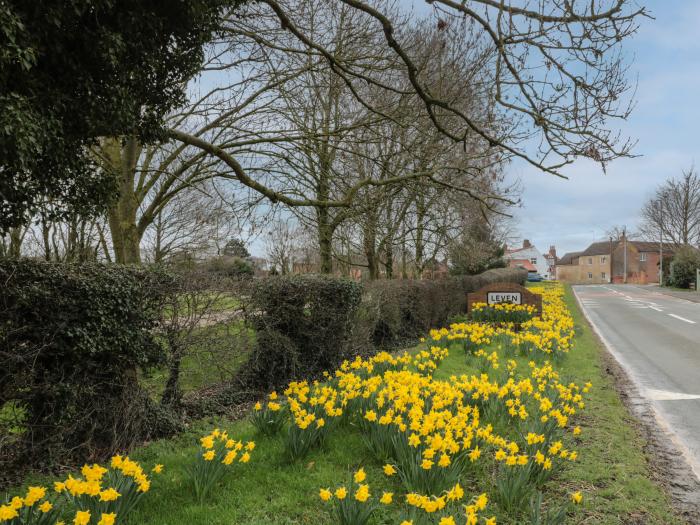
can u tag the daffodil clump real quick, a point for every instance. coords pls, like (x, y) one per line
(502, 313)
(270, 418)
(546, 337)
(433, 434)
(100, 496)
(355, 503)
(34, 508)
(217, 453)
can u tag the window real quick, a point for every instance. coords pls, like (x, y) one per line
(590, 275)
(603, 258)
(590, 260)
(533, 260)
(642, 257)
(602, 276)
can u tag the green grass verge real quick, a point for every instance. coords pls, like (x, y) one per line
(612, 472)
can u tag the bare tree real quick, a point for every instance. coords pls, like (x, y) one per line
(556, 65)
(299, 82)
(617, 232)
(279, 246)
(673, 212)
(554, 69)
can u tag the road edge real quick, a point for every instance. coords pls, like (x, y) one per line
(681, 480)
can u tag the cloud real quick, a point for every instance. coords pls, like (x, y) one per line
(573, 213)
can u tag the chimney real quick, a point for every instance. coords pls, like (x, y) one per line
(553, 252)
(526, 243)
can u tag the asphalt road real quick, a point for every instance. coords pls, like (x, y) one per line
(656, 338)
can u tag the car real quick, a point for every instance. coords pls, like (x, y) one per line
(534, 277)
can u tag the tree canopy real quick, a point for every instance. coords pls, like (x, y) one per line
(73, 71)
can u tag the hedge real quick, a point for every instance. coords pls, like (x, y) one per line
(302, 323)
(72, 338)
(308, 324)
(397, 312)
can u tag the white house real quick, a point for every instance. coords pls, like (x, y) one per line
(528, 257)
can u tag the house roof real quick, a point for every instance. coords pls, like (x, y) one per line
(522, 263)
(644, 246)
(597, 248)
(568, 258)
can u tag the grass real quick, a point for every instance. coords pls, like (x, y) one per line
(612, 471)
(216, 353)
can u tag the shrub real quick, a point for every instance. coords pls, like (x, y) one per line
(683, 268)
(396, 312)
(72, 338)
(306, 324)
(302, 325)
(227, 266)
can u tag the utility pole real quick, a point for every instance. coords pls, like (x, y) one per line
(661, 242)
(612, 267)
(624, 244)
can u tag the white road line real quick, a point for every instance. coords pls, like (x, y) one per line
(655, 308)
(665, 395)
(682, 318)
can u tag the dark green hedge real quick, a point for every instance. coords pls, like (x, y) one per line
(307, 324)
(72, 338)
(302, 325)
(397, 312)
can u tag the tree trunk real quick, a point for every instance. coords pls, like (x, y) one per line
(16, 239)
(420, 248)
(126, 238)
(172, 395)
(325, 242)
(389, 263)
(369, 243)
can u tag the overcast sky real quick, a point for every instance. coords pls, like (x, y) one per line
(573, 213)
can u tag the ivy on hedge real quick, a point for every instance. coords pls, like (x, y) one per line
(302, 325)
(72, 338)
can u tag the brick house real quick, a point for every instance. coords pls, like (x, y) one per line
(604, 262)
(642, 261)
(592, 265)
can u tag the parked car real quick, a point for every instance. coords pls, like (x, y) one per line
(534, 277)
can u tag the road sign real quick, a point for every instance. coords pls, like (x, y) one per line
(504, 297)
(505, 293)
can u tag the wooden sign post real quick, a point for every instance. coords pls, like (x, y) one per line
(505, 293)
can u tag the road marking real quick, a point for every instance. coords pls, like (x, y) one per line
(665, 395)
(655, 308)
(682, 318)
